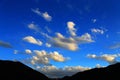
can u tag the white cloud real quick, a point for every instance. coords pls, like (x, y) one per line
(48, 45)
(110, 58)
(54, 72)
(45, 15)
(42, 57)
(32, 40)
(98, 31)
(48, 29)
(71, 28)
(115, 46)
(33, 27)
(28, 51)
(70, 43)
(5, 44)
(57, 57)
(15, 51)
(94, 20)
(98, 66)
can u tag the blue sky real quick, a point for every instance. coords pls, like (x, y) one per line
(52, 34)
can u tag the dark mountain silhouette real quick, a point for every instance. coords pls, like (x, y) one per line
(112, 72)
(10, 70)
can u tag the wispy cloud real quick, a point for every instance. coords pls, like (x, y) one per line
(32, 40)
(110, 58)
(94, 20)
(48, 29)
(115, 46)
(97, 31)
(48, 45)
(45, 15)
(33, 26)
(5, 44)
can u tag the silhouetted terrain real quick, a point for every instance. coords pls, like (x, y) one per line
(17, 71)
(111, 72)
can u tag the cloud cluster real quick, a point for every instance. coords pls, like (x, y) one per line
(42, 57)
(45, 15)
(72, 42)
(5, 44)
(32, 40)
(54, 72)
(110, 58)
(98, 31)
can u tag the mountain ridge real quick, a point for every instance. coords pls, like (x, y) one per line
(13, 70)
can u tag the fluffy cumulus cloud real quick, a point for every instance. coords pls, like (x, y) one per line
(110, 58)
(72, 42)
(115, 46)
(32, 40)
(45, 15)
(5, 44)
(54, 72)
(57, 57)
(42, 57)
(98, 31)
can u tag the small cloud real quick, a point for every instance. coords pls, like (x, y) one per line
(94, 20)
(118, 32)
(16, 51)
(111, 59)
(107, 36)
(48, 45)
(97, 31)
(28, 51)
(45, 15)
(115, 46)
(71, 28)
(32, 40)
(5, 44)
(48, 29)
(57, 57)
(98, 65)
(34, 27)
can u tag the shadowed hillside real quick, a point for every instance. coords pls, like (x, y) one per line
(111, 72)
(17, 71)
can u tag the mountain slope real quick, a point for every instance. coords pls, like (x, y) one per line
(10, 70)
(111, 72)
